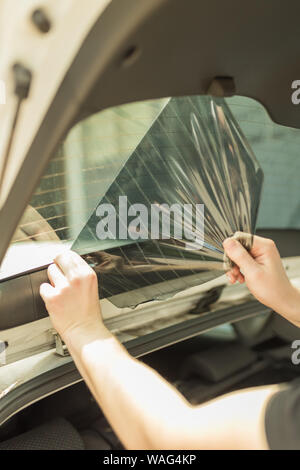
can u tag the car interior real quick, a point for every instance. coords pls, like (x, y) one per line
(139, 105)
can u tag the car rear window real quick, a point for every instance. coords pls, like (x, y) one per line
(90, 158)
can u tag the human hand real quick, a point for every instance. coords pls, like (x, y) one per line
(72, 297)
(263, 272)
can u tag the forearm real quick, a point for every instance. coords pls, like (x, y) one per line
(146, 412)
(296, 312)
(143, 408)
(289, 308)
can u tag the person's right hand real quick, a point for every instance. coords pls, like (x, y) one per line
(263, 272)
(71, 297)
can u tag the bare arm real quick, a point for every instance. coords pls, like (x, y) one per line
(144, 410)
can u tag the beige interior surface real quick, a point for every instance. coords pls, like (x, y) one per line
(49, 63)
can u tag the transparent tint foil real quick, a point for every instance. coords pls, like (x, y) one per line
(194, 153)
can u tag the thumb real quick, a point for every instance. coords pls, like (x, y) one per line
(46, 291)
(239, 255)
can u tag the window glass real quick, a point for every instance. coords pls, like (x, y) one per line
(94, 152)
(277, 148)
(76, 178)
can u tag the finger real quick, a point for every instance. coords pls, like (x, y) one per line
(261, 245)
(46, 291)
(56, 276)
(232, 279)
(239, 255)
(235, 275)
(71, 264)
(235, 271)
